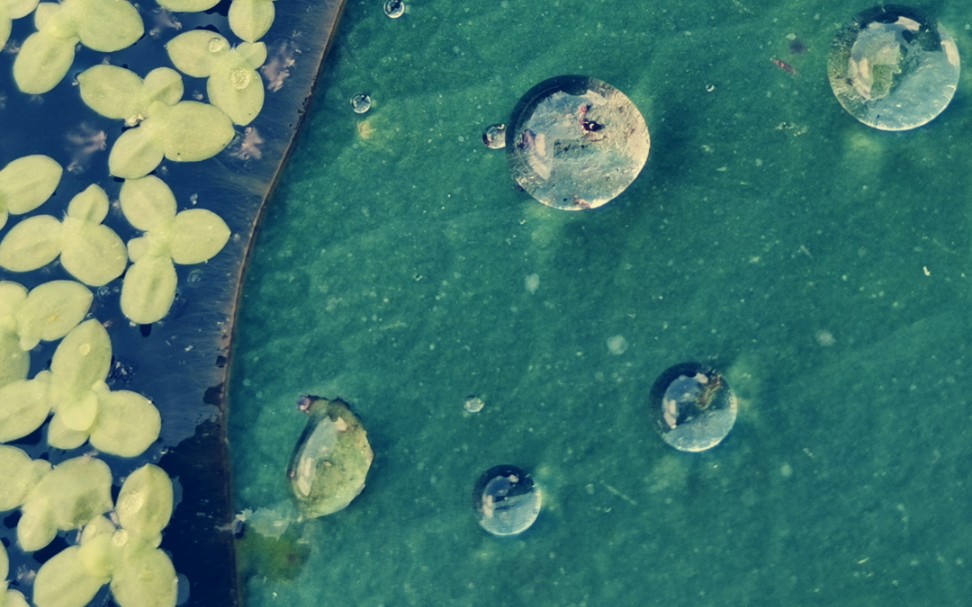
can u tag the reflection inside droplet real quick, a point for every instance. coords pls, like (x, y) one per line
(576, 142)
(394, 8)
(893, 68)
(507, 501)
(494, 137)
(693, 407)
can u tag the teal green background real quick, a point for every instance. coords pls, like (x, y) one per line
(819, 263)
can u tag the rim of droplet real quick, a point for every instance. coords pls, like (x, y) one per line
(866, 74)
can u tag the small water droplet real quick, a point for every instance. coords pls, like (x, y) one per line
(394, 8)
(495, 136)
(361, 103)
(474, 404)
(507, 501)
(240, 77)
(218, 44)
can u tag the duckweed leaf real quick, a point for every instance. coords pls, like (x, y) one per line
(197, 236)
(68, 497)
(195, 131)
(188, 6)
(238, 91)
(144, 579)
(148, 289)
(14, 362)
(24, 405)
(144, 504)
(162, 84)
(135, 154)
(20, 474)
(251, 19)
(78, 414)
(194, 53)
(20, 8)
(26, 183)
(97, 552)
(60, 436)
(31, 244)
(64, 581)
(42, 62)
(92, 16)
(51, 310)
(92, 253)
(81, 361)
(111, 91)
(147, 203)
(127, 424)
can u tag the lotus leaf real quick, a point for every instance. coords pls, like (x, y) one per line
(26, 183)
(46, 55)
(251, 19)
(68, 497)
(182, 131)
(190, 237)
(65, 581)
(20, 474)
(188, 6)
(233, 84)
(91, 252)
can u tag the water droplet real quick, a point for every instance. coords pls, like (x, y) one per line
(507, 501)
(893, 69)
(218, 44)
(474, 404)
(693, 407)
(361, 103)
(495, 136)
(576, 143)
(394, 8)
(240, 77)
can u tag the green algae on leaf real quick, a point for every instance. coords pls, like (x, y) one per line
(190, 237)
(89, 251)
(233, 84)
(46, 55)
(68, 497)
(26, 183)
(251, 19)
(182, 131)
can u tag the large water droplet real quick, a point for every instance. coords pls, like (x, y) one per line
(693, 407)
(576, 142)
(361, 103)
(893, 68)
(507, 501)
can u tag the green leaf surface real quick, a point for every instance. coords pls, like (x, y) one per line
(35, 529)
(161, 84)
(52, 19)
(106, 25)
(144, 504)
(195, 131)
(90, 205)
(26, 183)
(135, 154)
(14, 362)
(254, 54)
(145, 579)
(188, 6)
(80, 362)
(52, 309)
(127, 424)
(194, 53)
(111, 91)
(97, 552)
(92, 253)
(251, 19)
(20, 474)
(238, 91)
(64, 581)
(24, 405)
(14, 599)
(147, 203)
(78, 414)
(5, 27)
(42, 62)
(31, 244)
(60, 436)
(148, 289)
(20, 8)
(197, 236)
(12, 298)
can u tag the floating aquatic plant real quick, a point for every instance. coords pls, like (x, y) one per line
(164, 126)
(125, 554)
(9, 10)
(47, 313)
(26, 183)
(118, 422)
(233, 84)
(187, 6)
(251, 19)
(190, 237)
(89, 251)
(47, 54)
